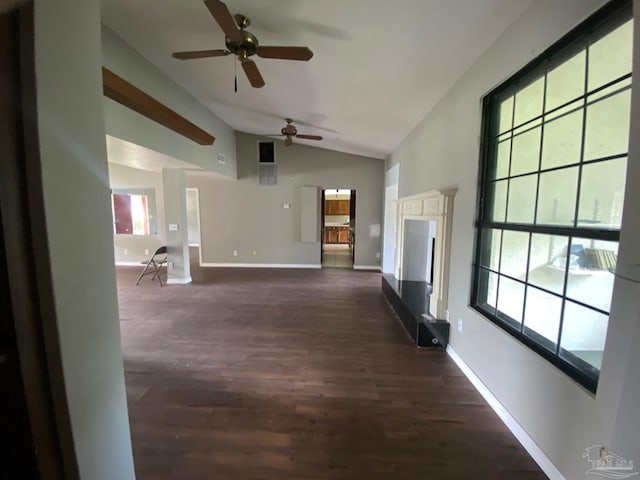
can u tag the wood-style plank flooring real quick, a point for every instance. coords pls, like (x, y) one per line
(296, 374)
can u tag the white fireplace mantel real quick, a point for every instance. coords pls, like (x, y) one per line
(436, 205)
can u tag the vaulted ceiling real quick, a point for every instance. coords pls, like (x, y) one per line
(378, 68)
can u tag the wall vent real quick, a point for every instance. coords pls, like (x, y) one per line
(267, 173)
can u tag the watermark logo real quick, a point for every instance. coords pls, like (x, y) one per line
(607, 464)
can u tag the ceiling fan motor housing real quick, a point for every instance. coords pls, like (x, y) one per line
(289, 130)
(246, 47)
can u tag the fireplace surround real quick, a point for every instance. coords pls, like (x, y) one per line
(435, 207)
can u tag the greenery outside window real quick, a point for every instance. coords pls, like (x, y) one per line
(555, 143)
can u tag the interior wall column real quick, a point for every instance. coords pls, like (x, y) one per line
(175, 207)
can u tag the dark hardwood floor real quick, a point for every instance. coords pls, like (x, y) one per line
(296, 374)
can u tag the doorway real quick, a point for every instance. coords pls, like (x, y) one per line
(193, 225)
(338, 228)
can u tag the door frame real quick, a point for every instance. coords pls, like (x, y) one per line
(30, 306)
(352, 220)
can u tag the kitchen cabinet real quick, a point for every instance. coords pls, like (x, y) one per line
(336, 207)
(336, 234)
(331, 235)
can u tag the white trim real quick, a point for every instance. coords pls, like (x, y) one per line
(367, 267)
(511, 423)
(178, 281)
(131, 264)
(261, 265)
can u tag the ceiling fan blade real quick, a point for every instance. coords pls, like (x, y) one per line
(285, 53)
(222, 15)
(200, 54)
(288, 141)
(253, 74)
(310, 137)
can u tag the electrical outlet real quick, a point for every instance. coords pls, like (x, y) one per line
(170, 264)
(126, 251)
(377, 254)
(459, 324)
(446, 315)
(253, 252)
(146, 251)
(235, 253)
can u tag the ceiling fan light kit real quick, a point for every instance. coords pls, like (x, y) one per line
(243, 44)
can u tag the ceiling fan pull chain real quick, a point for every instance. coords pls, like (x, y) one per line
(235, 76)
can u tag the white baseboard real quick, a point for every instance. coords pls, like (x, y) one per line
(368, 267)
(130, 264)
(178, 281)
(511, 423)
(261, 265)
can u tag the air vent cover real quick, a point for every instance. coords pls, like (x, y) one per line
(267, 173)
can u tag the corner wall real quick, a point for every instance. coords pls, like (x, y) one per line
(244, 216)
(78, 222)
(443, 151)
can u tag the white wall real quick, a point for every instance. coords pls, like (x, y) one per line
(123, 123)
(121, 176)
(78, 215)
(391, 179)
(443, 151)
(242, 215)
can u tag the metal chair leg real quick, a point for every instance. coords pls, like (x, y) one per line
(144, 271)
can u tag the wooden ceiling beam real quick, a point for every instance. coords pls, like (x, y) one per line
(123, 92)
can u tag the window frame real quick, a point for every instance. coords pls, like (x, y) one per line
(598, 25)
(152, 220)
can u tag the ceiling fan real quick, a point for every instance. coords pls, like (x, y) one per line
(291, 131)
(243, 44)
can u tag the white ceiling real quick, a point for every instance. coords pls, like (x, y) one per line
(379, 66)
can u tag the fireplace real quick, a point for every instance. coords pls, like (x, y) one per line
(424, 239)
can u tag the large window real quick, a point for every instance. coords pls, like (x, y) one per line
(551, 192)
